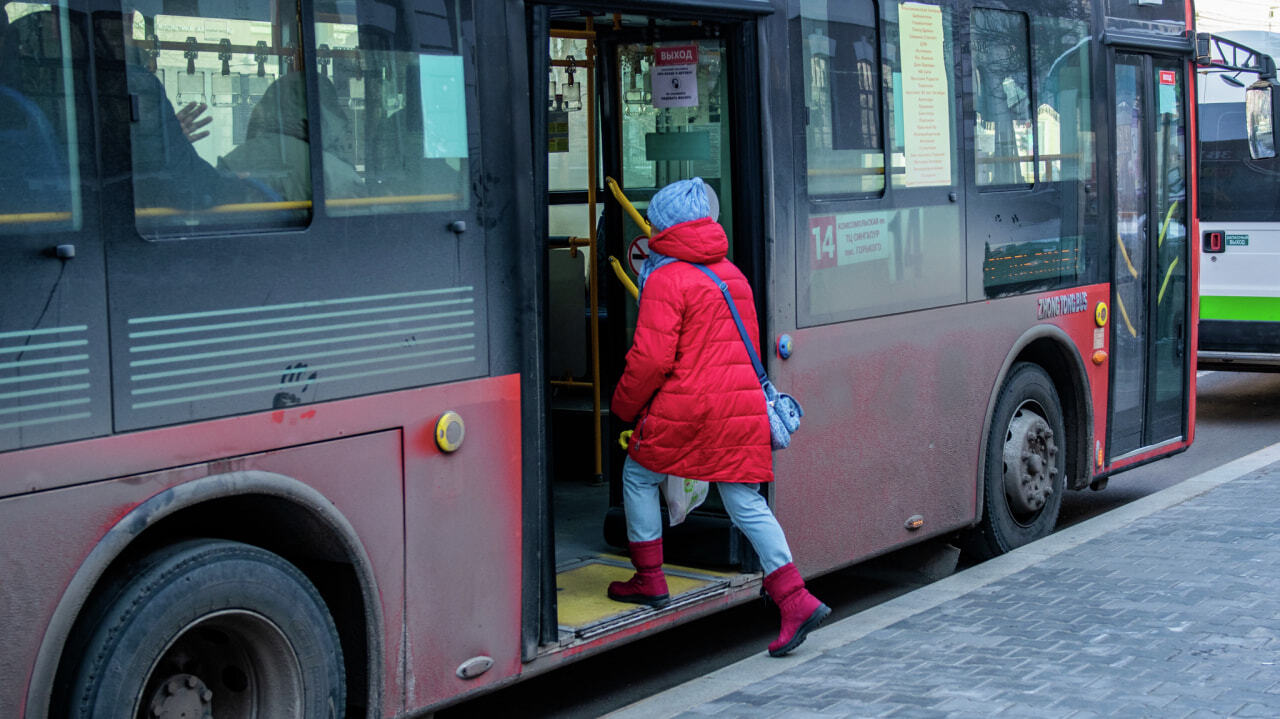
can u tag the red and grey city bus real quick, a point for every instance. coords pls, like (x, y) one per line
(307, 330)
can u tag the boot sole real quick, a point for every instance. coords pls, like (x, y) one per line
(809, 625)
(657, 602)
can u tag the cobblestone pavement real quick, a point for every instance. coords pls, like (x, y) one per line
(1170, 611)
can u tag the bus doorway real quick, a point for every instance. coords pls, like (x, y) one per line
(1150, 266)
(645, 101)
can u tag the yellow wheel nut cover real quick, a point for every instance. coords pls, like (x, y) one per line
(449, 432)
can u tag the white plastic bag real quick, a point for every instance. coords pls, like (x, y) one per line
(683, 496)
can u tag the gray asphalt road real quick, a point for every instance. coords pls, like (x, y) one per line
(1237, 413)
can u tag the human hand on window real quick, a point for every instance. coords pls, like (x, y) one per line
(192, 123)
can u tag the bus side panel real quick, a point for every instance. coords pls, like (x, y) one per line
(57, 529)
(893, 406)
(1076, 311)
(463, 543)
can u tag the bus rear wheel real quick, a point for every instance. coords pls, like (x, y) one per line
(211, 628)
(1025, 465)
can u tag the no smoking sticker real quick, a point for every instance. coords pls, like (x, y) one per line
(637, 253)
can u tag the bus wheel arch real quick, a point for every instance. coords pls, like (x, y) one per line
(1048, 377)
(274, 513)
(256, 640)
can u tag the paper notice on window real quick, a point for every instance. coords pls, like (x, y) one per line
(444, 106)
(926, 93)
(675, 76)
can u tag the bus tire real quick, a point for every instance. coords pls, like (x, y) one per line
(210, 628)
(1025, 474)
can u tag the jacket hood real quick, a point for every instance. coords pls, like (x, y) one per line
(702, 241)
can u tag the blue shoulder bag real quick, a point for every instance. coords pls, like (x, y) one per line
(784, 411)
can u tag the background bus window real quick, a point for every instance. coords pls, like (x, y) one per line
(399, 139)
(220, 135)
(39, 157)
(844, 148)
(1002, 133)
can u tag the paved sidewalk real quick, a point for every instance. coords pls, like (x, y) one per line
(1166, 607)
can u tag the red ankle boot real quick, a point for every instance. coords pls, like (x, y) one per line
(648, 586)
(801, 611)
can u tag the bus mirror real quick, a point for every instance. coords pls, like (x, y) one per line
(1262, 107)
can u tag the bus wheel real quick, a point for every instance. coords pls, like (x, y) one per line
(1026, 466)
(211, 628)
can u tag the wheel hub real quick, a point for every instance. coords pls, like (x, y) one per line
(1030, 462)
(181, 696)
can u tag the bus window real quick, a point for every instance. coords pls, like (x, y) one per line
(1064, 138)
(220, 136)
(39, 167)
(843, 142)
(1002, 132)
(876, 256)
(399, 138)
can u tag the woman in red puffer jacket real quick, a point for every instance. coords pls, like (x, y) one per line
(699, 410)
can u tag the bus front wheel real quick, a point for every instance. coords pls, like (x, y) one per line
(1025, 465)
(210, 628)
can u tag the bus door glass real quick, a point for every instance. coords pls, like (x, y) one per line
(1150, 264)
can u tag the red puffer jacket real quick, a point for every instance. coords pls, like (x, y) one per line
(689, 383)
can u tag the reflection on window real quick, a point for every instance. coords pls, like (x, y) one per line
(220, 130)
(1064, 130)
(873, 263)
(1002, 133)
(843, 142)
(41, 56)
(395, 132)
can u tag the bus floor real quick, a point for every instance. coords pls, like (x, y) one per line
(586, 564)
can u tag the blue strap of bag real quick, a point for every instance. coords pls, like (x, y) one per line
(742, 330)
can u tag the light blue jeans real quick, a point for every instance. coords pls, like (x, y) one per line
(747, 508)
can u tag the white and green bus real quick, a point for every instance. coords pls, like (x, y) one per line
(1239, 223)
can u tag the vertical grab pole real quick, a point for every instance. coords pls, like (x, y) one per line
(593, 274)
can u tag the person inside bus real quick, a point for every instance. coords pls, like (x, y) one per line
(700, 412)
(167, 172)
(276, 149)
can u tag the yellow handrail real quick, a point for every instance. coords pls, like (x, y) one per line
(630, 208)
(623, 278)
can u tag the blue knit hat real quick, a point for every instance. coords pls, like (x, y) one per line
(682, 201)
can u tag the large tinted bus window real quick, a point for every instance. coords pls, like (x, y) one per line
(1050, 247)
(220, 135)
(1233, 186)
(1002, 132)
(843, 142)
(39, 156)
(398, 137)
